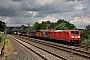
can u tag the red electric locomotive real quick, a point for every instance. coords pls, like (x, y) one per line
(71, 36)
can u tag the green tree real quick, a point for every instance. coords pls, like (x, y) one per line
(2, 26)
(71, 26)
(22, 28)
(36, 26)
(52, 25)
(32, 28)
(28, 25)
(43, 25)
(85, 35)
(27, 30)
(63, 25)
(60, 24)
(87, 27)
(60, 21)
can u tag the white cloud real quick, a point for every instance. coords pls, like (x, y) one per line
(7, 20)
(9, 4)
(48, 18)
(32, 12)
(80, 5)
(81, 21)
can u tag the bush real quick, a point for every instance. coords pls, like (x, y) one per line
(1, 39)
(86, 41)
(9, 58)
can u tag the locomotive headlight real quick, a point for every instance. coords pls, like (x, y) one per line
(72, 36)
(78, 36)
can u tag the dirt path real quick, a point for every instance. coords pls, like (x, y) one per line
(8, 50)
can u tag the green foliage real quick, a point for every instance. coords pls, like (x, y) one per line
(2, 37)
(43, 25)
(82, 35)
(86, 41)
(60, 24)
(2, 53)
(85, 35)
(2, 26)
(9, 58)
(36, 26)
(27, 30)
(32, 28)
(61, 21)
(22, 28)
(63, 25)
(52, 25)
(6, 42)
(71, 54)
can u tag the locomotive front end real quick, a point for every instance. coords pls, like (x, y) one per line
(75, 37)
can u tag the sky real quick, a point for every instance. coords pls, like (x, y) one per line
(18, 12)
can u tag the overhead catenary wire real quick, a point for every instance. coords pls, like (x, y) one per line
(59, 4)
(64, 7)
(33, 8)
(37, 5)
(68, 6)
(53, 8)
(31, 5)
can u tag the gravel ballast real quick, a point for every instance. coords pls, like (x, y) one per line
(20, 53)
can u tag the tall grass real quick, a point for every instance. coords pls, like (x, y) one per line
(2, 37)
(86, 41)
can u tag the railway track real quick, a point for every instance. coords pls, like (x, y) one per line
(84, 46)
(53, 56)
(55, 46)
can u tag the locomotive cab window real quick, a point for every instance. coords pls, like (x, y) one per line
(74, 32)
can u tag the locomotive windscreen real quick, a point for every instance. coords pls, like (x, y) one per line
(74, 32)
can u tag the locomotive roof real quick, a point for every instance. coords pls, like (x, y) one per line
(47, 30)
(53, 30)
(59, 30)
(63, 30)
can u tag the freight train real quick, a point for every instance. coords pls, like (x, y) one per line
(69, 36)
